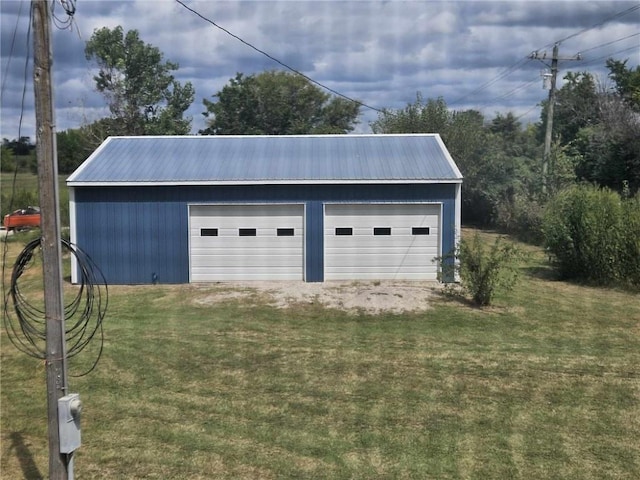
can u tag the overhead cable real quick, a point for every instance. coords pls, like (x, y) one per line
(262, 52)
(610, 43)
(504, 73)
(13, 42)
(599, 24)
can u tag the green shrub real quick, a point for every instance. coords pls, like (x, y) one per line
(592, 234)
(630, 251)
(522, 217)
(485, 271)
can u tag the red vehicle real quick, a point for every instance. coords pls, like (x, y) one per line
(22, 219)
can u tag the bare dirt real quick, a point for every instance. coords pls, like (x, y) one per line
(367, 297)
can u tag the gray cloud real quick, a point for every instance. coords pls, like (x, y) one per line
(381, 53)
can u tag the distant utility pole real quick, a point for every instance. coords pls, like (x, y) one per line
(60, 465)
(550, 107)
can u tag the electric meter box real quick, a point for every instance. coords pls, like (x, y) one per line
(69, 408)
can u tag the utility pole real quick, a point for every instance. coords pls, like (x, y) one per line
(60, 465)
(550, 107)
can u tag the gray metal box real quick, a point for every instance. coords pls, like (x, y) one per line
(69, 408)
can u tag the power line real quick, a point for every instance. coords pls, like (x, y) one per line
(528, 111)
(13, 42)
(610, 55)
(14, 182)
(506, 72)
(610, 43)
(515, 90)
(262, 52)
(522, 62)
(599, 24)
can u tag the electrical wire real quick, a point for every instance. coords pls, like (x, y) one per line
(504, 73)
(69, 7)
(528, 111)
(522, 62)
(510, 93)
(14, 181)
(610, 43)
(13, 41)
(599, 24)
(610, 55)
(25, 320)
(279, 62)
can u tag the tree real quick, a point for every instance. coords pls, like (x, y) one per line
(142, 93)
(431, 116)
(608, 152)
(23, 154)
(627, 81)
(277, 103)
(7, 161)
(575, 107)
(20, 146)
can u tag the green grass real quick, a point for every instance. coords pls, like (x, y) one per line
(545, 384)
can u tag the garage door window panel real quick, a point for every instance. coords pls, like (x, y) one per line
(382, 231)
(285, 232)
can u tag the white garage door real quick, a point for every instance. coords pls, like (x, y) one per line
(246, 242)
(381, 241)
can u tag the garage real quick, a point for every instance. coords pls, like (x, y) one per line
(180, 209)
(246, 242)
(382, 241)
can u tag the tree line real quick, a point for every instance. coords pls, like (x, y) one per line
(596, 130)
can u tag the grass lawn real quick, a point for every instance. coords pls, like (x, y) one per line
(543, 385)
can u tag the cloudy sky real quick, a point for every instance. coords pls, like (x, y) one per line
(474, 54)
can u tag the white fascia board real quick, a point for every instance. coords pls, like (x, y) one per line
(308, 135)
(448, 156)
(261, 182)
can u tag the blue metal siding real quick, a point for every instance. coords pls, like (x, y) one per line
(131, 238)
(314, 238)
(133, 233)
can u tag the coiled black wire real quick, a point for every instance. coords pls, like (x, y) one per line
(25, 322)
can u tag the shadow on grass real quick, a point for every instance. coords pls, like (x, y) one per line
(455, 295)
(542, 272)
(25, 458)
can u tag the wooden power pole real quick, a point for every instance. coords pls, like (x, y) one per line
(60, 465)
(549, 130)
(550, 108)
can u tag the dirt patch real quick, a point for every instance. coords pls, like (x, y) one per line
(368, 297)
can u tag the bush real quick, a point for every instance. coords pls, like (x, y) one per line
(630, 251)
(485, 271)
(522, 217)
(592, 234)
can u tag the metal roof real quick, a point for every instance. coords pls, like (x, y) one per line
(210, 160)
